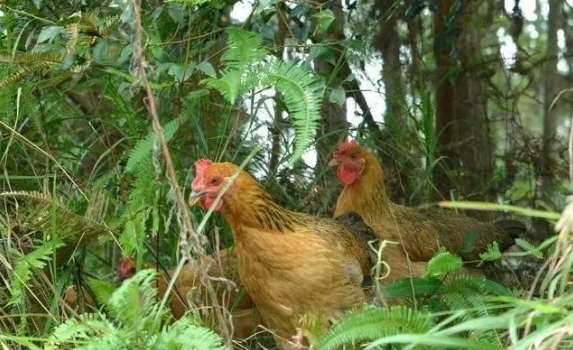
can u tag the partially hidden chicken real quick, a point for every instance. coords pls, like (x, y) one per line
(290, 263)
(421, 233)
(223, 265)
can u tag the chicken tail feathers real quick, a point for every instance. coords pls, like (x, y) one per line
(362, 230)
(513, 227)
(366, 234)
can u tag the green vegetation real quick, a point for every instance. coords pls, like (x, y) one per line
(105, 105)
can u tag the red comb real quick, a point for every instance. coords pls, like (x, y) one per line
(345, 145)
(201, 165)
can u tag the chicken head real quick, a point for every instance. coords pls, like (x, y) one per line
(207, 185)
(349, 162)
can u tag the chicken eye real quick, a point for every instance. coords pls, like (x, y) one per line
(215, 181)
(353, 156)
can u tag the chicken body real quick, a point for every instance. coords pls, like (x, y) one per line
(290, 263)
(222, 265)
(420, 233)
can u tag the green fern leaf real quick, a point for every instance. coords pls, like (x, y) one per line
(185, 335)
(530, 248)
(246, 70)
(102, 290)
(22, 273)
(470, 293)
(144, 146)
(443, 263)
(135, 300)
(370, 323)
(243, 48)
(302, 94)
(229, 84)
(492, 253)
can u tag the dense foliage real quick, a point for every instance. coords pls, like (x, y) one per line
(462, 100)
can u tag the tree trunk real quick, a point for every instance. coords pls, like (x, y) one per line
(461, 115)
(549, 116)
(275, 129)
(387, 41)
(333, 126)
(445, 114)
(475, 145)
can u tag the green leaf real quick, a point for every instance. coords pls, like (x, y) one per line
(443, 263)
(144, 146)
(324, 20)
(207, 69)
(176, 12)
(492, 254)
(372, 323)
(407, 287)
(49, 33)
(243, 48)
(125, 54)
(433, 340)
(100, 51)
(324, 52)
(181, 72)
(530, 248)
(102, 290)
(469, 241)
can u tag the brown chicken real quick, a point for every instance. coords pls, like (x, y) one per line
(290, 263)
(245, 316)
(421, 233)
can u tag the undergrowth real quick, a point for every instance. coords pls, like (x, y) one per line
(83, 184)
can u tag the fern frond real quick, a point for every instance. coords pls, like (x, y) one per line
(134, 233)
(302, 94)
(73, 229)
(32, 57)
(144, 147)
(185, 335)
(88, 330)
(102, 290)
(465, 292)
(246, 69)
(530, 248)
(135, 300)
(23, 72)
(443, 263)
(22, 273)
(492, 253)
(243, 48)
(465, 284)
(370, 323)
(106, 23)
(72, 33)
(229, 84)
(69, 221)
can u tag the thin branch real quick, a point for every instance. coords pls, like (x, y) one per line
(188, 233)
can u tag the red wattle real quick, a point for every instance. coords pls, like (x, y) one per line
(347, 177)
(208, 200)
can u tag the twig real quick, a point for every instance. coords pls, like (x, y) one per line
(188, 234)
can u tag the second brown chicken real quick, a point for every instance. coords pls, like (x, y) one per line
(420, 233)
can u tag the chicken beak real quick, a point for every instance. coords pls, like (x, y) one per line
(335, 162)
(195, 196)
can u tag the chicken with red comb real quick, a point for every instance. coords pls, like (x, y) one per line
(421, 233)
(290, 263)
